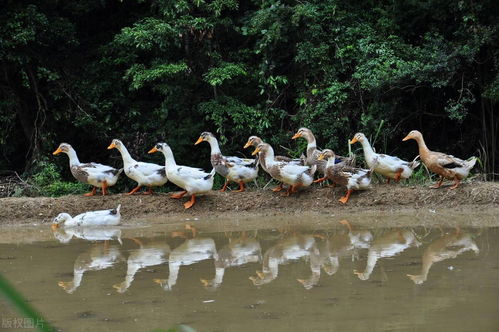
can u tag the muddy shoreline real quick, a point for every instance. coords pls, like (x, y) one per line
(381, 199)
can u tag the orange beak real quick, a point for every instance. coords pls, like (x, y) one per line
(256, 151)
(54, 226)
(247, 145)
(295, 136)
(154, 149)
(111, 146)
(200, 139)
(354, 140)
(57, 151)
(321, 156)
(406, 138)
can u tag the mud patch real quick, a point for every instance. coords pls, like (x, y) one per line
(476, 196)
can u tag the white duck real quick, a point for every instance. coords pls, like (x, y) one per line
(287, 172)
(255, 141)
(97, 175)
(193, 180)
(145, 174)
(110, 217)
(239, 170)
(313, 152)
(389, 166)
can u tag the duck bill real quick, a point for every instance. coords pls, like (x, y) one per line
(111, 146)
(255, 152)
(247, 145)
(154, 149)
(57, 151)
(406, 138)
(200, 139)
(354, 140)
(295, 136)
(321, 157)
(54, 226)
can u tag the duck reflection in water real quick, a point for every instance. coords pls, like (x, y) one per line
(193, 250)
(332, 248)
(295, 247)
(146, 255)
(64, 235)
(388, 245)
(448, 246)
(99, 257)
(238, 252)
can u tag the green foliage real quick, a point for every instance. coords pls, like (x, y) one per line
(47, 182)
(168, 70)
(225, 71)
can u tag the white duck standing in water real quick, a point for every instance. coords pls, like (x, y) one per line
(98, 257)
(145, 174)
(448, 246)
(389, 245)
(110, 217)
(146, 255)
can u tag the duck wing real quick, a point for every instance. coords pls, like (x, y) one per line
(240, 161)
(190, 172)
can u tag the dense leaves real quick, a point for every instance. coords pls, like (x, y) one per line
(142, 71)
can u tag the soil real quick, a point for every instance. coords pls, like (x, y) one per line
(381, 198)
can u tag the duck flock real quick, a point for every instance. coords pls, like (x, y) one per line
(293, 173)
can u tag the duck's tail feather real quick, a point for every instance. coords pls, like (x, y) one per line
(470, 163)
(414, 163)
(212, 173)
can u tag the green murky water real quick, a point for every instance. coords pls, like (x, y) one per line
(336, 279)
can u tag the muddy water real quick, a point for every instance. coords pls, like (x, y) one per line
(341, 278)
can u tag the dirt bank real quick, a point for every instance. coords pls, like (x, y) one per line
(476, 196)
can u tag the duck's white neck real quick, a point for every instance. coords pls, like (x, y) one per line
(127, 158)
(269, 157)
(215, 148)
(368, 150)
(311, 146)
(169, 158)
(73, 158)
(330, 161)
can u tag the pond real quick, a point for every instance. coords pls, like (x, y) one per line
(337, 278)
